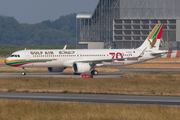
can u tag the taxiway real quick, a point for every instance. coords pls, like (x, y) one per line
(101, 75)
(99, 98)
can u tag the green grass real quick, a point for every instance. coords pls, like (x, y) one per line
(8, 50)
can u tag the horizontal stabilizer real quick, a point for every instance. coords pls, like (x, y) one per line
(159, 52)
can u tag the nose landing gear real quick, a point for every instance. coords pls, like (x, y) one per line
(24, 71)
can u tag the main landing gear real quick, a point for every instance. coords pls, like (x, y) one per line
(94, 72)
(24, 71)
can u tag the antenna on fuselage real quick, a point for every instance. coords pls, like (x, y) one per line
(64, 47)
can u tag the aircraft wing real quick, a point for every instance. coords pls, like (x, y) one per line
(115, 59)
(102, 60)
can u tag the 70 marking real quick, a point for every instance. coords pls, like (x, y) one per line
(116, 54)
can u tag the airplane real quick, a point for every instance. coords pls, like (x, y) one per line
(82, 61)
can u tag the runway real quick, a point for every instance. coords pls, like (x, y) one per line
(97, 98)
(101, 75)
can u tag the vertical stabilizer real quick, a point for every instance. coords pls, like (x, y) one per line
(153, 40)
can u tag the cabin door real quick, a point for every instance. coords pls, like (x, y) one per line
(27, 56)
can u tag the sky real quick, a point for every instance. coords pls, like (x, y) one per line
(36, 11)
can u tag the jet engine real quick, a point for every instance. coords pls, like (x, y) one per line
(56, 69)
(81, 67)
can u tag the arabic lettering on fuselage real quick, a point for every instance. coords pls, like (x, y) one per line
(66, 52)
(50, 52)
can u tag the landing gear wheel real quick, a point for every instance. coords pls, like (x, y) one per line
(94, 72)
(24, 71)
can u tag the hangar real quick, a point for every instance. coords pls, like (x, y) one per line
(127, 23)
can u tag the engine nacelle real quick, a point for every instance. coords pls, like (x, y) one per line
(81, 67)
(56, 69)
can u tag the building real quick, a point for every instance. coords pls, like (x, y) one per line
(127, 23)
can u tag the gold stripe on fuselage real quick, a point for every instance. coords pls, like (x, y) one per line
(9, 61)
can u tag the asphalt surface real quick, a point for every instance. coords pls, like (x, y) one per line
(101, 75)
(62, 75)
(3, 65)
(97, 98)
(148, 70)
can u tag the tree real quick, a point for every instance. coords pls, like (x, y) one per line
(59, 32)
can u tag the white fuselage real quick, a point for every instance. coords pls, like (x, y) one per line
(66, 58)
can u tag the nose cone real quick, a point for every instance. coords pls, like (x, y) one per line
(6, 61)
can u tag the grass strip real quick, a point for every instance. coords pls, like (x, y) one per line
(34, 110)
(131, 84)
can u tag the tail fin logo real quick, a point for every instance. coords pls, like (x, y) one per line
(153, 42)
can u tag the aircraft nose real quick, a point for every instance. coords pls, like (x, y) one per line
(6, 61)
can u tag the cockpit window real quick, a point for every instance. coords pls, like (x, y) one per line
(15, 56)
